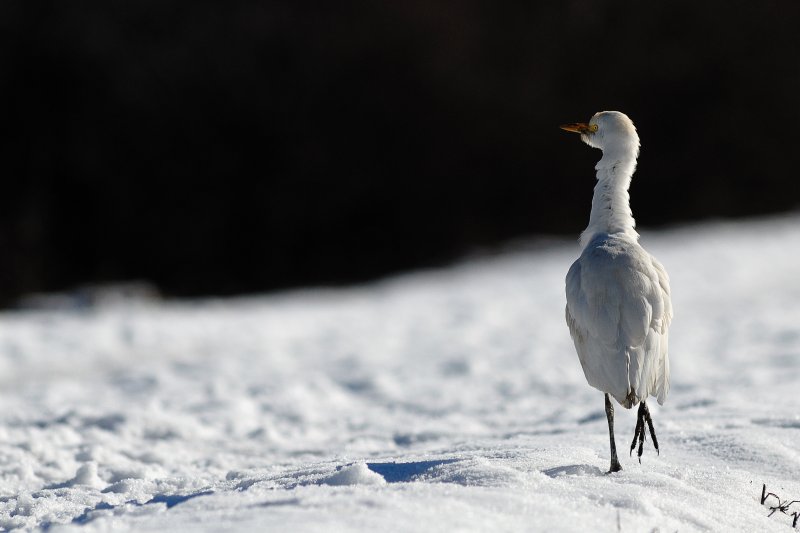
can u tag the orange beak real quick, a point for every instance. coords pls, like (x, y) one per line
(579, 127)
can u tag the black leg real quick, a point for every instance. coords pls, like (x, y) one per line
(650, 426)
(637, 432)
(615, 466)
(640, 434)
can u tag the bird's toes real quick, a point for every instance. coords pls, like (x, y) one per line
(637, 436)
(640, 451)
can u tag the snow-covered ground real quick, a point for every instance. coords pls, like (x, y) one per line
(446, 400)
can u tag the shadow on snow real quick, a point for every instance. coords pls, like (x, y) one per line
(404, 472)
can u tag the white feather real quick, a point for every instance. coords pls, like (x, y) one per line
(618, 302)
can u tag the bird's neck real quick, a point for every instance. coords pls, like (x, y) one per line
(611, 210)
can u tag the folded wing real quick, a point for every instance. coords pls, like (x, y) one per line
(618, 312)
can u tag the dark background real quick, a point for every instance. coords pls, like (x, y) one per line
(223, 147)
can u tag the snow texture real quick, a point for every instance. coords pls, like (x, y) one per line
(447, 400)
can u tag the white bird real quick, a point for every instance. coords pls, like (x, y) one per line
(618, 303)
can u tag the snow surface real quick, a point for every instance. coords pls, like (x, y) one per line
(447, 400)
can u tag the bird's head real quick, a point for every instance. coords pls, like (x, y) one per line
(611, 131)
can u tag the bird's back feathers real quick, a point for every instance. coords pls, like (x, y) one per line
(618, 313)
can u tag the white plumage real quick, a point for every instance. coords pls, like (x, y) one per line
(618, 297)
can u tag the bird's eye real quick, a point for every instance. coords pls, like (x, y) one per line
(593, 127)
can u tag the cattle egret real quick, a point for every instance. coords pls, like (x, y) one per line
(618, 304)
